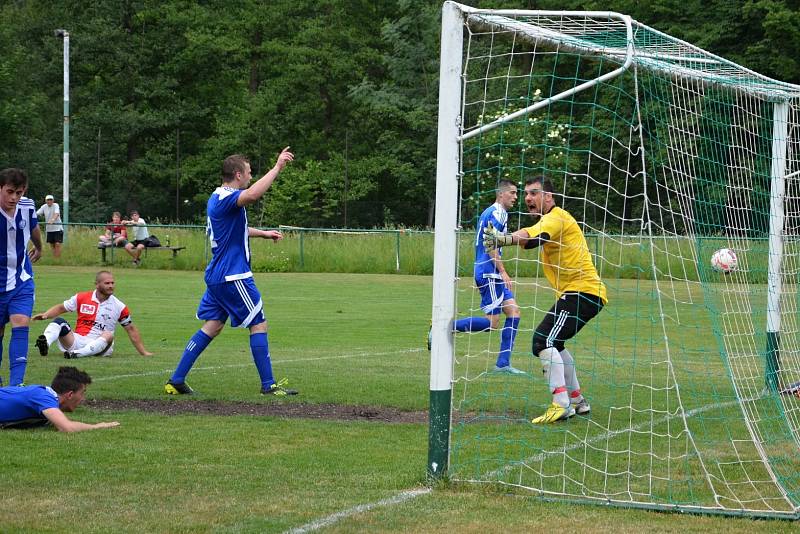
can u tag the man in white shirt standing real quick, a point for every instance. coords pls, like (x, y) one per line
(52, 217)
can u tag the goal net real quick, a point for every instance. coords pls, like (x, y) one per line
(663, 153)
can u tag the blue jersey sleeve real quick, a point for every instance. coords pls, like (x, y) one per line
(34, 221)
(484, 265)
(43, 398)
(226, 202)
(27, 402)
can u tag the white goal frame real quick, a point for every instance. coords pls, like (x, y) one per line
(451, 134)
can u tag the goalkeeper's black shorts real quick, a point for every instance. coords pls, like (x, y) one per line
(568, 315)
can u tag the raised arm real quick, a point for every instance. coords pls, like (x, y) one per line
(136, 339)
(52, 313)
(64, 424)
(257, 190)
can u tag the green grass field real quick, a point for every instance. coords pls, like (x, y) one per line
(339, 338)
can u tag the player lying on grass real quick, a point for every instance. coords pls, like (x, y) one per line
(34, 406)
(580, 293)
(230, 289)
(98, 311)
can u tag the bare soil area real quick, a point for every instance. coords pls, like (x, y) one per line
(335, 412)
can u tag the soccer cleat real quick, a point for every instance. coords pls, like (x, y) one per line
(41, 344)
(70, 355)
(582, 407)
(554, 413)
(171, 388)
(279, 390)
(509, 370)
(792, 389)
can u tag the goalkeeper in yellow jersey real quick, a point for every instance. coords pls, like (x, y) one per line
(581, 294)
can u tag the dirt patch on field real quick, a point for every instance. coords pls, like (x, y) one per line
(336, 412)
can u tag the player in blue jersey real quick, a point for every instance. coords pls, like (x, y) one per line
(18, 226)
(33, 406)
(230, 289)
(494, 283)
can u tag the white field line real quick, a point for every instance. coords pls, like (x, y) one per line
(414, 493)
(613, 433)
(333, 518)
(250, 364)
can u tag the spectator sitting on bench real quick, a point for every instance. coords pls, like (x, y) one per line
(117, 236)
(141, 236)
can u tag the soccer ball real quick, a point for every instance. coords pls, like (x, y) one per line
(724, 260)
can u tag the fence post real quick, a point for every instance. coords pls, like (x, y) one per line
(397, 251)
(302, 260)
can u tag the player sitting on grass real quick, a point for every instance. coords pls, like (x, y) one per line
(98, 313)
(580, 293)
(34, 406)
(230, 289)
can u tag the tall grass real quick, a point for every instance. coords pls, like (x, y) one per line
(411, 252)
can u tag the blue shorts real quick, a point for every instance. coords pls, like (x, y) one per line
(493, 293)
(239, 300)
(17, 301)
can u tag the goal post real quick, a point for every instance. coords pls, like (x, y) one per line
(444, 255)
(663, 153)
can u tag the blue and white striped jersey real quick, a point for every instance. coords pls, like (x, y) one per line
(15, 234)
(226, 226)
(484, 266)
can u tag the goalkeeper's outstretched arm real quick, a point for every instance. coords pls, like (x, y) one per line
(492, 239)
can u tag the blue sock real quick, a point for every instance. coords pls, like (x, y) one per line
(507, 341)
(259, 346)
(196, 345)
(17, 355)
(472, 324)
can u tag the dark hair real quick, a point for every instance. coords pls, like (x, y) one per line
(232, 165)
(69, 379)
(134, 211)
(503, 183)
(547, 185)
(13, 177)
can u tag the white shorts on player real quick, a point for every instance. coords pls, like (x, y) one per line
(82, 342)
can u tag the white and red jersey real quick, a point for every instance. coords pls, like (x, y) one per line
(95, 317)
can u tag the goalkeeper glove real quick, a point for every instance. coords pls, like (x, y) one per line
(492, 239)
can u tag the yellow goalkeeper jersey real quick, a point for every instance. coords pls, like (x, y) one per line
(565, 256)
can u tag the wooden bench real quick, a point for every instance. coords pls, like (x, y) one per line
(103, 247)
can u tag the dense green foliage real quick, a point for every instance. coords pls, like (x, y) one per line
(162, 91)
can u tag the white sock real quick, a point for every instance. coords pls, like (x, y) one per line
(51, 332)
(571, 377)
(553, 367)
(95, 347)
